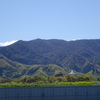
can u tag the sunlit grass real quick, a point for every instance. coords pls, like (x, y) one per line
(14, 84)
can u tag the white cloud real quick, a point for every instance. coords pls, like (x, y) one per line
(76, 39)
(7, 43)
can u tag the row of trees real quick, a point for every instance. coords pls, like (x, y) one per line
(50, 79)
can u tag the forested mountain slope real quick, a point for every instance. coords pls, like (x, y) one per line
(77, 55)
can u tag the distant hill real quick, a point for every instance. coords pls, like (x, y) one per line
(14, 69)
(77, 55)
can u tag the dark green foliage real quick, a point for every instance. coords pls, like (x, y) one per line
(34, 79)
(6, 80)
(13, 69)
(37, 80)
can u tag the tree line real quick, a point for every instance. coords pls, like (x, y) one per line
(49, 79)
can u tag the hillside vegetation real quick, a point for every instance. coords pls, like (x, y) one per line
(14, 69)
(48, 57)
(37, 81)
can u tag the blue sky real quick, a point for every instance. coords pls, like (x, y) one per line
(49, 19)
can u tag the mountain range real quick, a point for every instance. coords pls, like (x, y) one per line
(49, 57)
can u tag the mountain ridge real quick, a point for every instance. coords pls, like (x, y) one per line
(77, 55)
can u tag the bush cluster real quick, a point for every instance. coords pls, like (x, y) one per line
(36, 80)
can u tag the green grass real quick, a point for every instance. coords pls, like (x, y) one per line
(13, 84)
